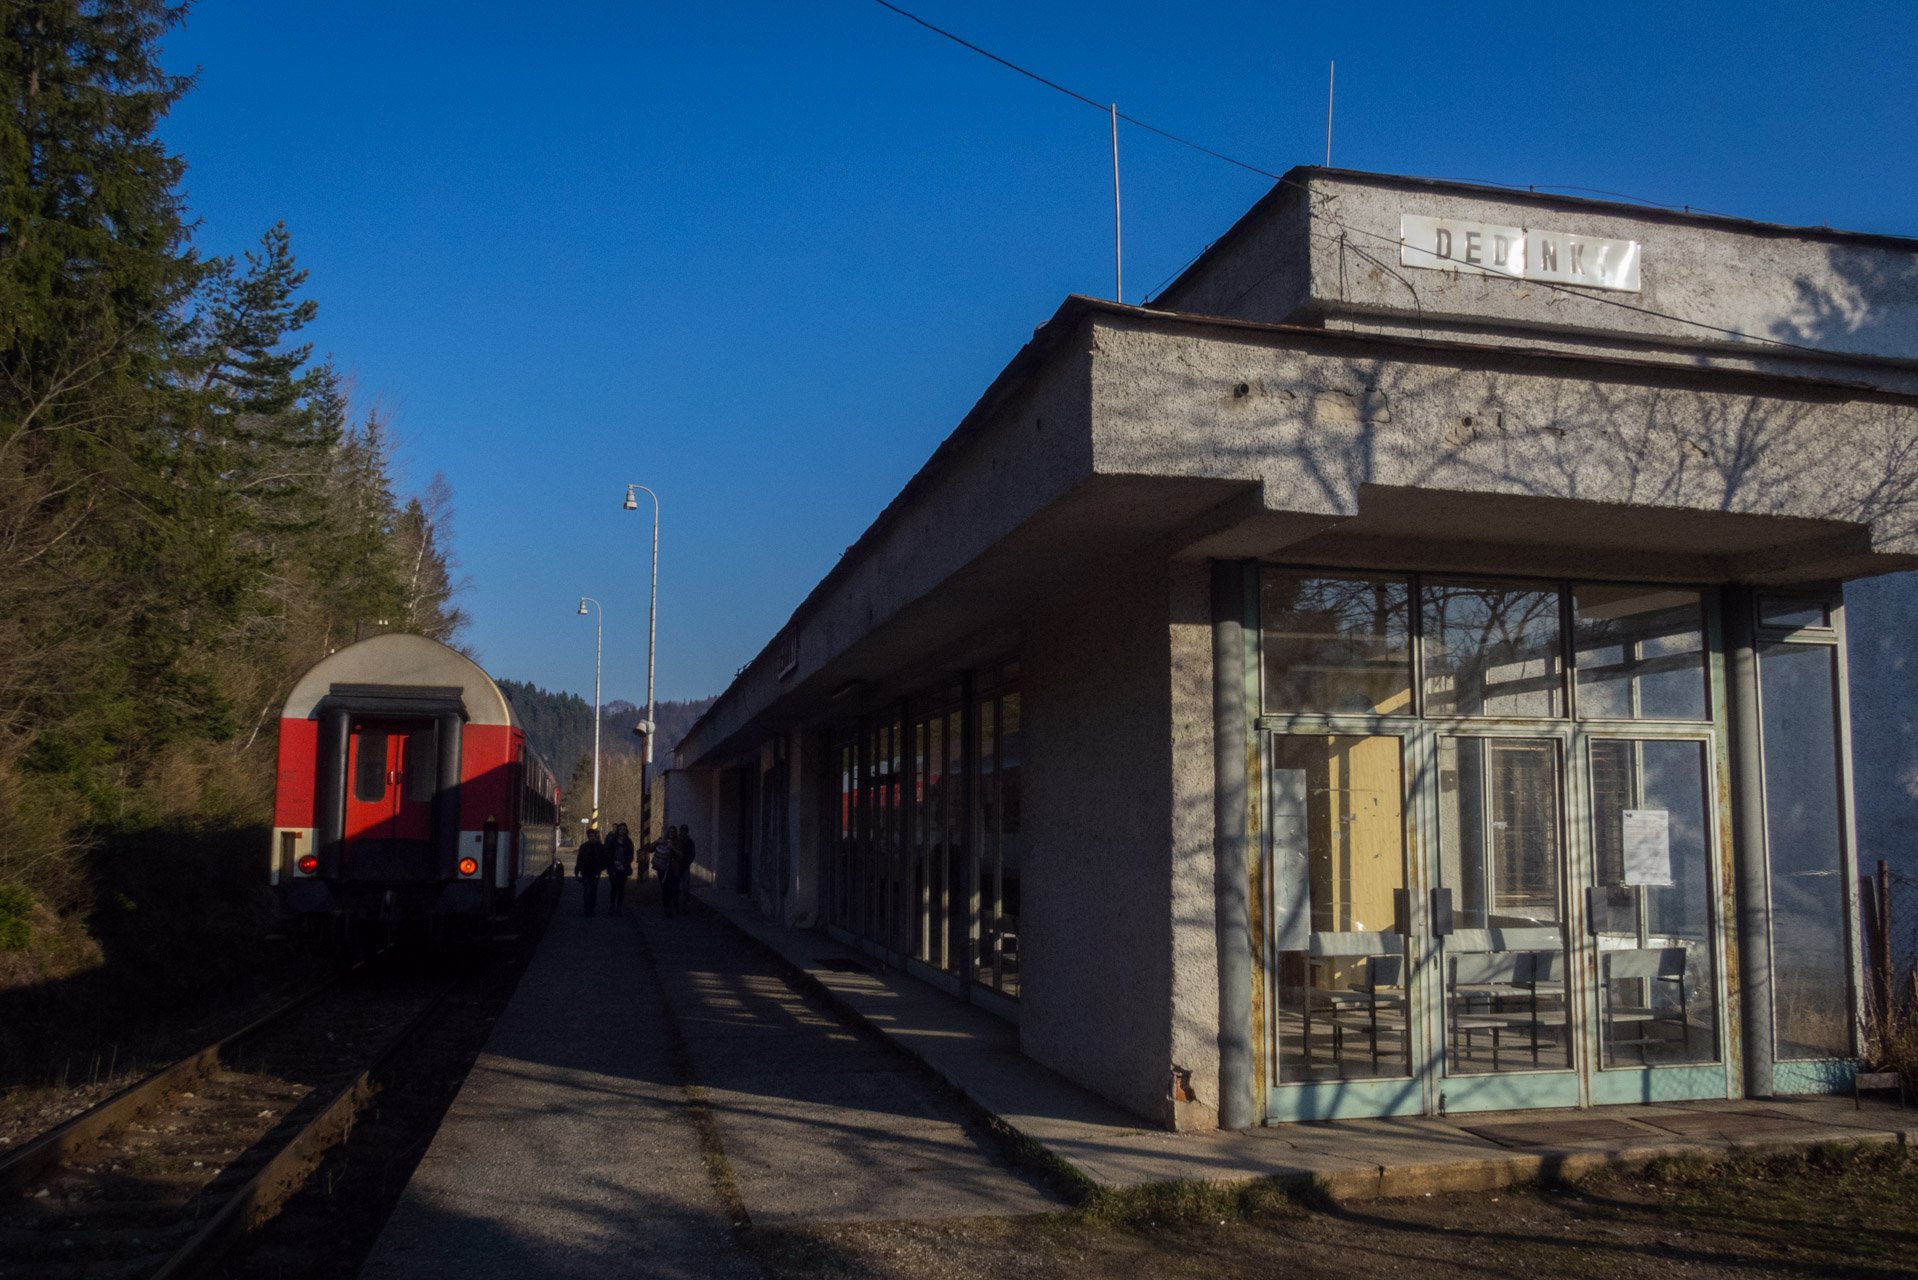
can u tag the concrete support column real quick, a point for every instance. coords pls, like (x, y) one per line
(1233, 867)
(802, 904)
(1749, 861)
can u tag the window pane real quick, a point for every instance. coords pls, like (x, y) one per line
(422, 766)
(369, 772)
(1011, 746)
(1501, 856)
(1810, 973)
(922, 817)
(1338, 842)
(1492, 649)
(1652, 916)
(1640, 653)
(986, 842)
(1794, 615)
(1335, 644)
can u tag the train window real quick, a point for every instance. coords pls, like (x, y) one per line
(369, 772)
(422, 763)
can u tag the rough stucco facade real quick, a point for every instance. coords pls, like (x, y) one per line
(1302, 397)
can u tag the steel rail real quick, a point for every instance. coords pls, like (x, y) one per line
(280, 1178)
(18, 1170)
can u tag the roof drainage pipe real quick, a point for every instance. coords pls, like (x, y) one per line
(1749, 845)
(1232, 862)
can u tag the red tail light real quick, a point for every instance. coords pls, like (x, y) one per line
(469, 866)
(308, 865)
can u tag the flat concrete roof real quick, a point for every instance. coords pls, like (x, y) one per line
(1053, 345)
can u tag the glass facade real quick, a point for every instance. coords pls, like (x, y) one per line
(1480, 872)
(1491, 649)
(1493, 815)
(925, 829)
(1338, 845)
(1804, 838)
(1640, 653)
(1336, 644)
(1652, 915)
(1502, 857)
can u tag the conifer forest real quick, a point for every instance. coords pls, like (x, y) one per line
(192, 512)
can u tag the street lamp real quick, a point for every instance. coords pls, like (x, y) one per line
(599, 647)
(650, 725)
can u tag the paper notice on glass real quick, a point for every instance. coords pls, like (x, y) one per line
(1648, 846)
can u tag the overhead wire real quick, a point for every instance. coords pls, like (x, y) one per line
(1100, 107)
(1281, 179)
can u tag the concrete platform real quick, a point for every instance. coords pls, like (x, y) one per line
(655, 1084)
(978, 1054)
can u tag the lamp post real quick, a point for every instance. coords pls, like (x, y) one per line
(599, 647)
(649, 726)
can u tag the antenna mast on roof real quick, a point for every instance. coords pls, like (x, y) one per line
(1118, 251)
(1331, 71)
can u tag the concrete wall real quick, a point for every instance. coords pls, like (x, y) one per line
(726, 828)
(1663, 466)
(689, 804)
(1881, 622)
(1096, 924)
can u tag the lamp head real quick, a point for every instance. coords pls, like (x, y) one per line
(632, 502)
(582, 604)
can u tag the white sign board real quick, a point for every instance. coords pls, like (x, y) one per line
(1648, 846)
(1519, 253)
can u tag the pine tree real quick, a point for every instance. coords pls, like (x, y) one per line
(122, 553)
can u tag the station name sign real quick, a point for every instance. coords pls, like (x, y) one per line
(1519, 253)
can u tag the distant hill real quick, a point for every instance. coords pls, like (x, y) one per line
(675, 718)
(560, 725)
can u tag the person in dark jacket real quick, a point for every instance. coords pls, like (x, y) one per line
(619, 865)
(666, 862)
(683, 846)
(588, 864)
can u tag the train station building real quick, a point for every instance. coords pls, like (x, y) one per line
(1402, 669)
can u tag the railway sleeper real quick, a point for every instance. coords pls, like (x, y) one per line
(133, 1267)
(51, 1214)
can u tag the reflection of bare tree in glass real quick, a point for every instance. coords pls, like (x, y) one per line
(1476, 632)
(1639, 653)
(1336, 643)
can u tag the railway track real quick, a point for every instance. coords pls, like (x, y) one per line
(153, 1183)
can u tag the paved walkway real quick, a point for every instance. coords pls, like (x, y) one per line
(978, 1054)
(654, 1082)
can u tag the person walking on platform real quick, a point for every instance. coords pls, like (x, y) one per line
(666, 863)
(588, 863)
(683, 845)
(622, 837)
(619, 865)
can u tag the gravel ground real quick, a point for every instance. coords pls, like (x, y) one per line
(1834, 1215)
(29, 1110)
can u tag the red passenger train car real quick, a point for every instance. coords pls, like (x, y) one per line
(407, 789)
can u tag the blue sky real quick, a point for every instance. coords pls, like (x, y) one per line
(764, 256)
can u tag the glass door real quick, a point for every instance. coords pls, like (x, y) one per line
(1340, 991)
(1500, 918)
(1649, 914)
